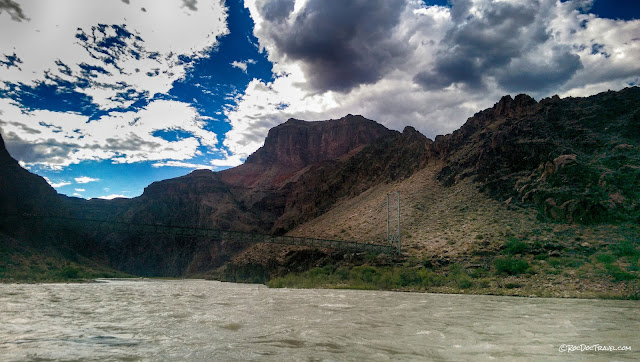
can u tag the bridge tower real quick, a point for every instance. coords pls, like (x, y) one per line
(393, 237)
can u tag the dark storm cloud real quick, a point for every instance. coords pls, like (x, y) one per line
(42, 151)
(13, 8)
(52, 150)
(341, 44)
(191, 4)
(451, 69)
(525, 75)
(498, 41)
(276, 10)
(133, 142)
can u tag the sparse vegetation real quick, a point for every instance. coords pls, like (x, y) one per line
(510, 265)
(23, 264)
(510, 275)
(514, 246)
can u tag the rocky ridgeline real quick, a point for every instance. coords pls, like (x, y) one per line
(296, 145)
(575, 159)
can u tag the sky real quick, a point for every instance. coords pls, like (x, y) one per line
(104, 97)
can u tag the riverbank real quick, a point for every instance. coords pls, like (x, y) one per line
(23, 264)
(459, 281)
(515, 268)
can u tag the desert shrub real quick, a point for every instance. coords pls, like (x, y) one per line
(364, 273)
(605, 258)
(430, 279)
(70, 272)
(626, 248)
(550, 246)
(342, 274)
(478, 273)
(459, 277)
(510, 265)
(463, 281)
(409, 277)
(388, 279)
(571, 262)
(324, 271)
(554, 262)
(618, 274)
(514, 246)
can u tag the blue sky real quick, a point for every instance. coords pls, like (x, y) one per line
(102, 98)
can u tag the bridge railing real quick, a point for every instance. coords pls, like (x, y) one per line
(188, 231)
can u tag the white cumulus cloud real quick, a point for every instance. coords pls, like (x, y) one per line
(58, 139)
(56, 185)
(85, 179)
(181, 164)
(242, 65)
(113, 46)
(110, 197)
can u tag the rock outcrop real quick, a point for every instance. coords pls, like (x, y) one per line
(575, 159)
(296, 144)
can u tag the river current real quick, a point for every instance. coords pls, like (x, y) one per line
(208, 320)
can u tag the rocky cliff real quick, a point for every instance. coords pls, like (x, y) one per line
(296, 144)
(30, 249)
(575, 159)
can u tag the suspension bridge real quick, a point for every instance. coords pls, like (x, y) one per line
(107, 226)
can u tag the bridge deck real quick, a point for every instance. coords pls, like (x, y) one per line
(188, 231)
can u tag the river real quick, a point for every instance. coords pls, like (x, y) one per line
(208, 320)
